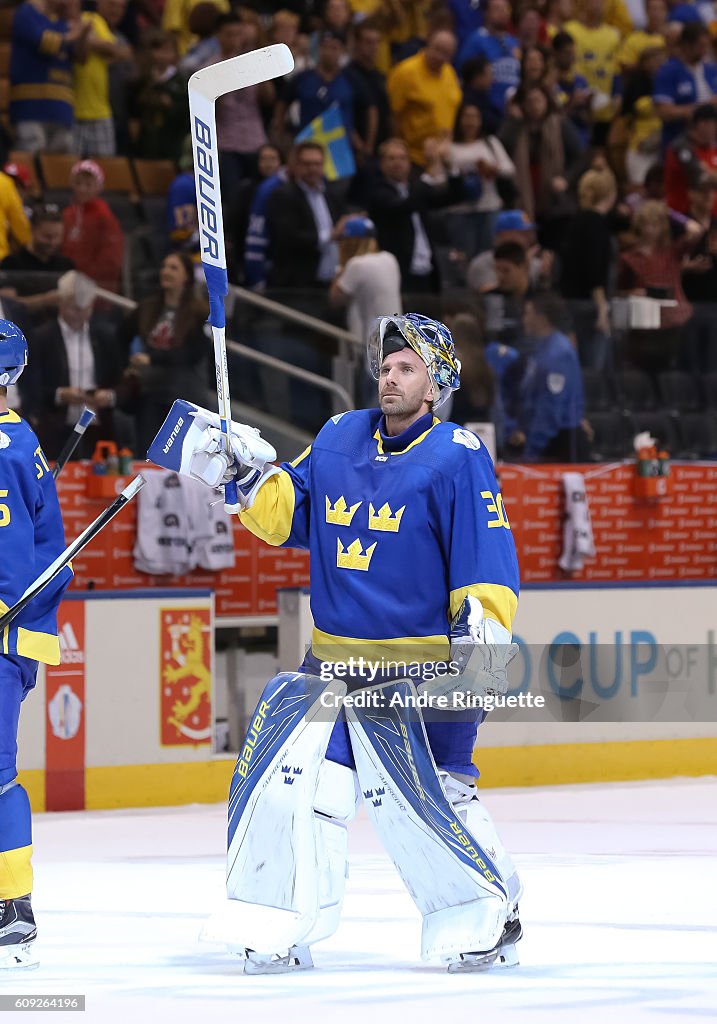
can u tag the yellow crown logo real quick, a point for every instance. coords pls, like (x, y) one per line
(352, 557)
(384, 519)
(340, 514)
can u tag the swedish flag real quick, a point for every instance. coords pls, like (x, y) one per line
(328, 130)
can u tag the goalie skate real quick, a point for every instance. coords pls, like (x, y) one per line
(503, 955)
(297, 959)
(17, 935)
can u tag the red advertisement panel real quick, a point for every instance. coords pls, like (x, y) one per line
(65, 707)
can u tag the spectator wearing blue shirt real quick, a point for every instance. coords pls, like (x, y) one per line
(317, 89)
(685, 81)
(502, 50)
(552, 398)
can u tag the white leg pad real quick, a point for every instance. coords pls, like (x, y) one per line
(474, 815)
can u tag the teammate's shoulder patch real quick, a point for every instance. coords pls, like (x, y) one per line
(467, 438)
(4, 440)
(335, 419)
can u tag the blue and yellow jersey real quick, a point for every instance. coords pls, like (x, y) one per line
(41, 86)
(400, 530)
(31, 538)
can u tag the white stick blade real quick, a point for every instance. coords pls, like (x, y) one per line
(243, 71)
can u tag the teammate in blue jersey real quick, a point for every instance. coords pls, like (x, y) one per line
(31, 537)
(413, 567)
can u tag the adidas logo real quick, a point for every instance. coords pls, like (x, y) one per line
(70, 653)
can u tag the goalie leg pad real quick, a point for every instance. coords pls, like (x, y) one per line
(272, 880)
(453, 881)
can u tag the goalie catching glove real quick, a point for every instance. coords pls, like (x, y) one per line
(190, 442)
(481, 650)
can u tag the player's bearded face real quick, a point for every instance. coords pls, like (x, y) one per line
(404, 385)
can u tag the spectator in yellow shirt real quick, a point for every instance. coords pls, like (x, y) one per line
(596, 46)
(424, 93)
(13, 219)
(616, 14)
(652, 37)
(94, 127)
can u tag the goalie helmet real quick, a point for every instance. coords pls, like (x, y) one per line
(13, 352)
(429, 339)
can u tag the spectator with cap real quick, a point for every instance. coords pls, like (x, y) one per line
(94, 125)
(32, 273)
(368, 280)
(425, 94)
(317, 89)
(510, 226)
(685, 81)
(691, 158)
(93, 238)
(14, 225)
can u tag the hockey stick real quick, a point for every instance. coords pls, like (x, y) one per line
(205, 87)
(86, 418)
(72, 550)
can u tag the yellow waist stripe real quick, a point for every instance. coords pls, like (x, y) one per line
(43, 647)
(403, 649)
(61, 93)
(498, 602)
(15, 873)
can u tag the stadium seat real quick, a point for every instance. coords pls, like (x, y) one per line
(4, 59)
(611, 439)
(698, 435)
(55, 170)
(661, 425)
(636, 391)
(154, 176)
(118, 175)
(4, 95)
(599, 394)
(679, 391)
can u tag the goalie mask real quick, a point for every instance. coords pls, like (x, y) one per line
(429, 339)
(13, 352)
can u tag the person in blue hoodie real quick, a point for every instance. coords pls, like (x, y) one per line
(552, 400)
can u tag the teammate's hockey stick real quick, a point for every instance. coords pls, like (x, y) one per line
(86, 417)
(205, 87)
(72, 550)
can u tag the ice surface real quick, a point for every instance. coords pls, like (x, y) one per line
(619, 913)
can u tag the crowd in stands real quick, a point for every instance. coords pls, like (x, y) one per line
(541, 175)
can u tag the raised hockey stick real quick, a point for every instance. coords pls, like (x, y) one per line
(72, 550)
(86, 418)
(205, 87)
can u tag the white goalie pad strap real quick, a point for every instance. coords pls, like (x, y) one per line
(335, 803)
(273, 842)
(451, 878)
(190, 442)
